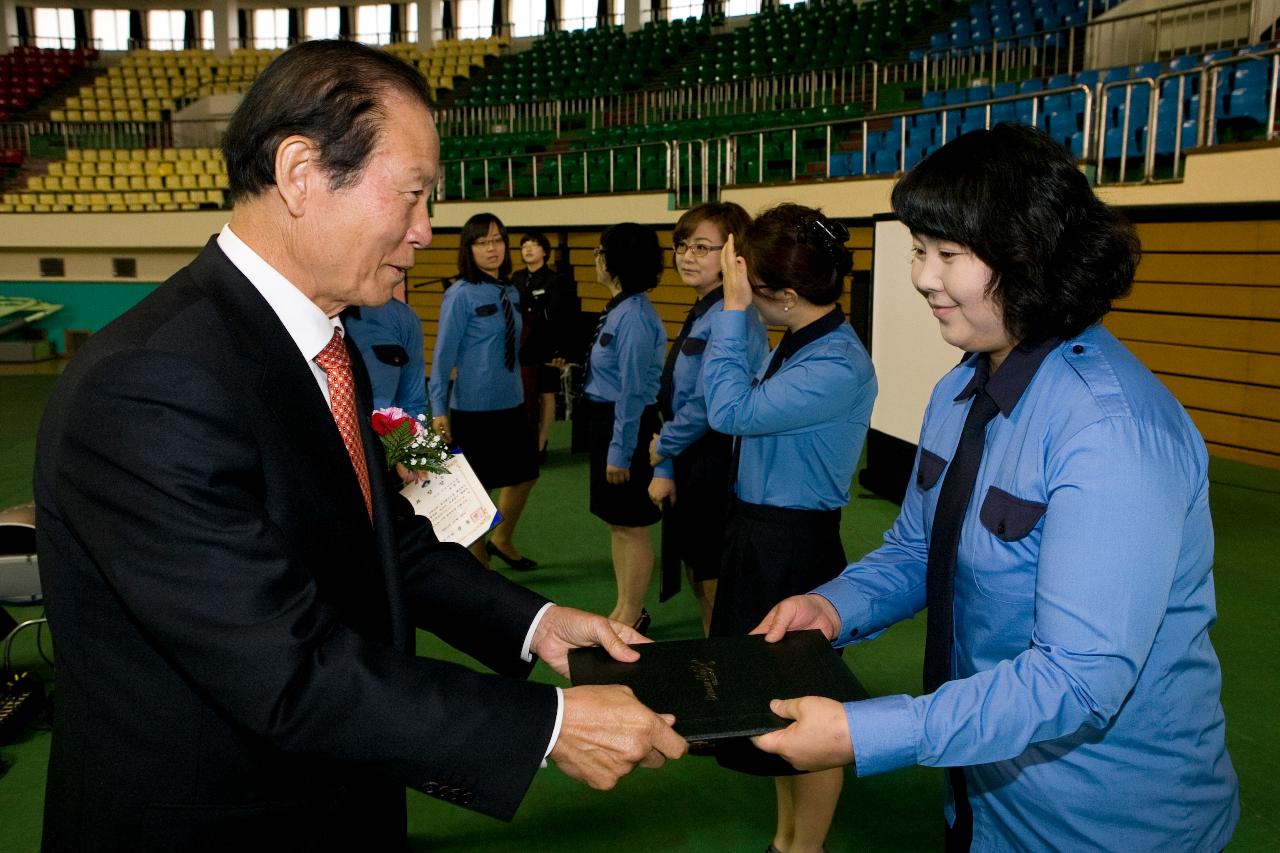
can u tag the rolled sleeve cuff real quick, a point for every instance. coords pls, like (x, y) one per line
(665, 469)
(618, 459)
(883, 733)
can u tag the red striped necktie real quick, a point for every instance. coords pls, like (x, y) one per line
(333, 360)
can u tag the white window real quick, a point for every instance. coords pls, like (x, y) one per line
(321, 22)
(270, 28)
(166, 29)
(55, 28)
(206, 29)
(741, 7)
(373, 24)
(111, 29)
(473, 19)
(684, 9)
(410, 22)
(528, 17)
(578, 14)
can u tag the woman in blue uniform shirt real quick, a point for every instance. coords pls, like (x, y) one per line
(801, 419)
(691, 460)
(621, 385)
(390, 341)
(1078, 701)
(479, 334)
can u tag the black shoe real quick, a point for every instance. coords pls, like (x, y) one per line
(643, 621)
(523, 564)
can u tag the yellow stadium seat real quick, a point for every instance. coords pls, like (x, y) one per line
(102, 182)
(84, 183)
(137, 182)
(154, 182)
(120, 182)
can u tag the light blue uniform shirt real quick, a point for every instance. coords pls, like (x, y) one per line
(472, 338)
(688, 394)
(626, 362)
(1086, 708)
(389, 338)
(802, 428)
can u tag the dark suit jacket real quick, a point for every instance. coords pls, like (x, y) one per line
(234, 637)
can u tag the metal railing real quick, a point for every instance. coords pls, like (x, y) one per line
(528, 166)
(904, 119)
(732, 97)
(16, 134)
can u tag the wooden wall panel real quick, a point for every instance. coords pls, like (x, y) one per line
(1204, 315)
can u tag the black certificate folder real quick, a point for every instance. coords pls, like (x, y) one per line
(720, 687)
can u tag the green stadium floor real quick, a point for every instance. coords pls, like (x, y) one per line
(693, 805)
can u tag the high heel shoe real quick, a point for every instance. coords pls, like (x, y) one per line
(643, 621)
(523, 564)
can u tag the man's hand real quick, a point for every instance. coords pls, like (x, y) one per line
(440, 423)
(616, 476)
(798, 613)
(606, 732)
(817, 740)
(564, 628)
(662, 489)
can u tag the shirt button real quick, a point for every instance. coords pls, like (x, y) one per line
(1077, 349)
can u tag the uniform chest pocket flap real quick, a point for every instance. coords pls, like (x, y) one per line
(392, 354)
(929, 469)
(486, 310)
(1007, 517)
(694, 346)
(606, 339)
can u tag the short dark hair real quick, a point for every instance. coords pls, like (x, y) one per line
(331, 92)
(632, 256)
(798, 247)
(1059, 256)
(729, 217)
(539, 238)
(476, 228)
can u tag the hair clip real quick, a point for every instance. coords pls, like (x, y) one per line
(828, 230)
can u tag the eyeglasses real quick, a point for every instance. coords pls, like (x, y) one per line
(486, 242)
(700, 250)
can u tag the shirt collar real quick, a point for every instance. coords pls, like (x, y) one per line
(1009, 383)
(792, 341)
(309, 327)
(706, 302)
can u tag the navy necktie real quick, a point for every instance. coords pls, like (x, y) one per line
(666, 384)
(944, 542)
(508, 317)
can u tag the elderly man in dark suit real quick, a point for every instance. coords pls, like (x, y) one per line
(232, 579)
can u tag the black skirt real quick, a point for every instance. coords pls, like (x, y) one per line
(770, 553)
(693, 527)
(627, 504)
(500, 445)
